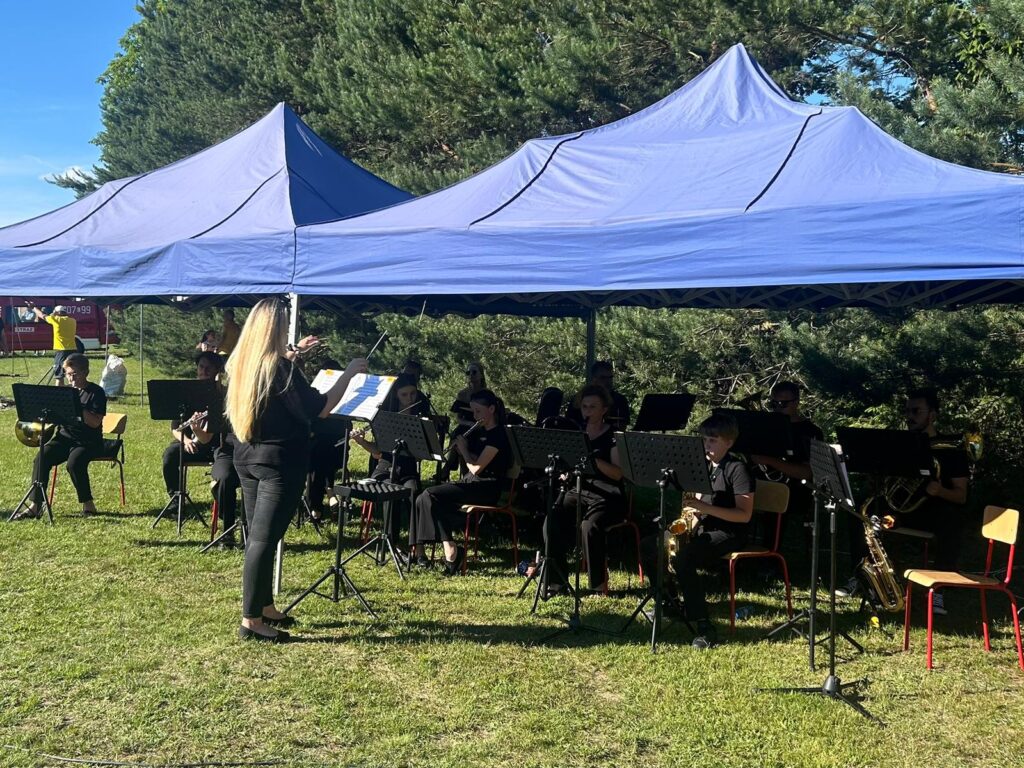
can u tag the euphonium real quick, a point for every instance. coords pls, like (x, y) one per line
(906, 494)
(876, 567)
(28, 432)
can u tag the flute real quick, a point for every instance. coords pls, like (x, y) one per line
(465, 434)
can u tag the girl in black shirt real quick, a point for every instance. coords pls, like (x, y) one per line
(601, 496)
(438, 510)
(270, 406)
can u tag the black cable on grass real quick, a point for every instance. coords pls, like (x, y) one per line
(87, 761)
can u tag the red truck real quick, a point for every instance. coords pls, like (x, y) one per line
(24, 333)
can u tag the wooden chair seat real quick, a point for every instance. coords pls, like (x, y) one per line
(999, 524)
(748, 552)
(929, 579)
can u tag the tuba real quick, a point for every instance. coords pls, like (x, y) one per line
(30, 432)
(883, 588)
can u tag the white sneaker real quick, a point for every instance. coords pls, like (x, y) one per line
(938, 604)
(849, 589)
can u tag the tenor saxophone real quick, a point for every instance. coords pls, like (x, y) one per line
(875, 567)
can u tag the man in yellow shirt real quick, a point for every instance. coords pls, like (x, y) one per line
(64, 329)
(229, 333)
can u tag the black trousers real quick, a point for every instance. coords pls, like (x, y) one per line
(225, 490)
(270, 495)
(324, 463)
(437, 514)
(704, 551)
(63, 448)
(401, 511)
(600, 512)
(171, 466)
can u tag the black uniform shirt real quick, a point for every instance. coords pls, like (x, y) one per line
(497, 437)
(731, 478)
(282, 431)
(94, 400)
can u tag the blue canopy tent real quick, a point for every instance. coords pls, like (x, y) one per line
(219, 223)
(724, 194)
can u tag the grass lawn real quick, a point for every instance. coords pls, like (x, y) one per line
(120, 644)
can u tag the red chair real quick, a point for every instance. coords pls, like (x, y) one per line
(113, 449)
(999, 524)
(771, 498)
(475, 511)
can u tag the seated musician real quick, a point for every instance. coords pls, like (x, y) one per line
(200, 446)
(602, 496)
(722, 527)
(942, 510)
(77, 444)
(403, 398)
(619, 416)
(477, 381)
(437, 514)
(785, 399)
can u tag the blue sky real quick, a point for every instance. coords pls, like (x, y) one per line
(51, 54)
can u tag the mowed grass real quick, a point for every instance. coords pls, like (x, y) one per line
(120, 644)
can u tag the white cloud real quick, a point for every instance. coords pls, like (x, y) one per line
(72, 170)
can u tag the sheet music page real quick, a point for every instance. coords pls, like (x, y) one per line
(364, 395)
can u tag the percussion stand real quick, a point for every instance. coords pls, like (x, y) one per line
(53, 406)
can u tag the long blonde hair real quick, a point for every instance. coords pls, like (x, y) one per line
(252, 365)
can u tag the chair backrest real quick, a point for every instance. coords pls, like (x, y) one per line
(771, 496)
(1000, 524)
(115, 423)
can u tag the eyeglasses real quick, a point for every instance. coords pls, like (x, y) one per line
(913, 411)
(780, 403)
(472, 372)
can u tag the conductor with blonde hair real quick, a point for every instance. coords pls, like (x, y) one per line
(271, 406)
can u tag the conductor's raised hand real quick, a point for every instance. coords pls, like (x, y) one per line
(307, 343)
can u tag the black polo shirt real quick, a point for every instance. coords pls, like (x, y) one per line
(731, 478)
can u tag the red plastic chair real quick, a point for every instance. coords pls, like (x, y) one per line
(999, 524)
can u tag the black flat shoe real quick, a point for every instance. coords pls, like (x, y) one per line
(244, 633)
(454, 567)
(284, 621)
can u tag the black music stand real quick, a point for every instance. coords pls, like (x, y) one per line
(555, 451)
(886, 452)
(769, 434)
(831, 484)
(178, 399)
(412, 436)
(50, 406)
(664, 412)
(660, 460)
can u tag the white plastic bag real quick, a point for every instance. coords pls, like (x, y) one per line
(114, 376)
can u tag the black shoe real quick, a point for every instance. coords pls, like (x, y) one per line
(28, 514)
(454, 567)
(284, 621)
(422, 561)
(228, 542)
(244, 633)
(707, 636)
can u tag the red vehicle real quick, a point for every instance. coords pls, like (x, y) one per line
(24, 333)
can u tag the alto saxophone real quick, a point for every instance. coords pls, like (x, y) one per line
(875, 567)
(679, 531)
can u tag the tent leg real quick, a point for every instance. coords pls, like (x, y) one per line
(293, 336)
(591, 339)
(142, 364)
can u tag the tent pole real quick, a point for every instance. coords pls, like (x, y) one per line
(106, 335)
(142, 364)
(293, 337)
(591, 319)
